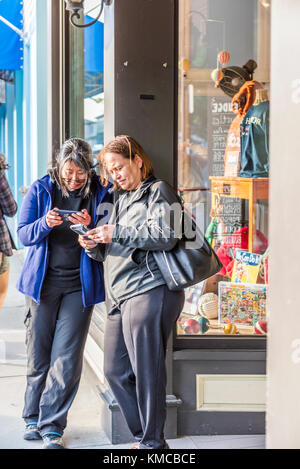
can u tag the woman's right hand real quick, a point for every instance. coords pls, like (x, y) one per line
(53, 219)
(86, 243)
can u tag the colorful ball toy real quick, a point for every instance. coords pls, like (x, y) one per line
(196, 325)
(191, 326)
(217, 75)
(204, 324)
(230, 328)
(223, 57)
(261, 327)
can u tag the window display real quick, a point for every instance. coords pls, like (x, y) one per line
(223, 159)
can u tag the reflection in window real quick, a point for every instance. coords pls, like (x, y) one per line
(93, 85)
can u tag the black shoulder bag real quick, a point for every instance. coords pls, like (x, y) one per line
(191, 261)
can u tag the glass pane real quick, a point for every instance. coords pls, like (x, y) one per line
(93, 84)
(223, 157)
(86, 106)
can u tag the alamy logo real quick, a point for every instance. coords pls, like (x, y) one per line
(296, 91)
(157, 220)
(2, 351)
(295, 356)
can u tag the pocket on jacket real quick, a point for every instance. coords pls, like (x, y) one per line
(138, 256)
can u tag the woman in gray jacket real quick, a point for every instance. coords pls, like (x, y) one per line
(141, 309)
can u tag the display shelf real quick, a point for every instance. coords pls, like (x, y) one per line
(251, 189)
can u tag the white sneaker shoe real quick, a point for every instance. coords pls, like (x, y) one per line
(31, 432)
(53, 442)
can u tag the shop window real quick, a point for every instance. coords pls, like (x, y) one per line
(85, 113)
(93, 85)
(223, 159)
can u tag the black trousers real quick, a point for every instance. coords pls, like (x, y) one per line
(56, 333)
(135, 345)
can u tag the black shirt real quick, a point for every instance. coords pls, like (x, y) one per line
(64, 249)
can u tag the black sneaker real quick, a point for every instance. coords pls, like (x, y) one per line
(137, 446)
(31, 432)
(53, 442)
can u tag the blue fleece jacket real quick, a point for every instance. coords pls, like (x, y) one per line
(33, 232)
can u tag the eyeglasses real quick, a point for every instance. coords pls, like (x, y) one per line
(67, 180)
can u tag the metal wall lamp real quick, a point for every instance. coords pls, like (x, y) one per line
(77, 5)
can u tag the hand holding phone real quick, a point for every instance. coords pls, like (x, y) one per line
(81, 218)
(102, 234)
(80, 229)
(83, 239)
(53, 218)
(86, 243)
(65, 214)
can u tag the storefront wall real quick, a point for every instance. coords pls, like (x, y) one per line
(216, 382)
(230, 366)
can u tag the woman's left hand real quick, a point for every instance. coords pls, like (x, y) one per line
(86, 243)
(81, 217)
(102, 234)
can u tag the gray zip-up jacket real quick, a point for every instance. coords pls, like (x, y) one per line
(142, 224)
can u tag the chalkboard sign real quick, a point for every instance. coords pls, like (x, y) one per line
(219, 118)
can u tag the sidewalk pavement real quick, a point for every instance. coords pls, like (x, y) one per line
(84, 426)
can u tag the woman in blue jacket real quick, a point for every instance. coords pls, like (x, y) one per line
(61, 284)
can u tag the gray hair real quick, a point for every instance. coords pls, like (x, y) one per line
(79, 152)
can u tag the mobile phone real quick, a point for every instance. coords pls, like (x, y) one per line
(65, 214)
(80, 229)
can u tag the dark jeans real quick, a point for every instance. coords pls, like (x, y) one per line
(55, 339)
(135, 345)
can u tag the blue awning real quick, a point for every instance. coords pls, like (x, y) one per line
(93, 58)
(11, 54)
(93, 46)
